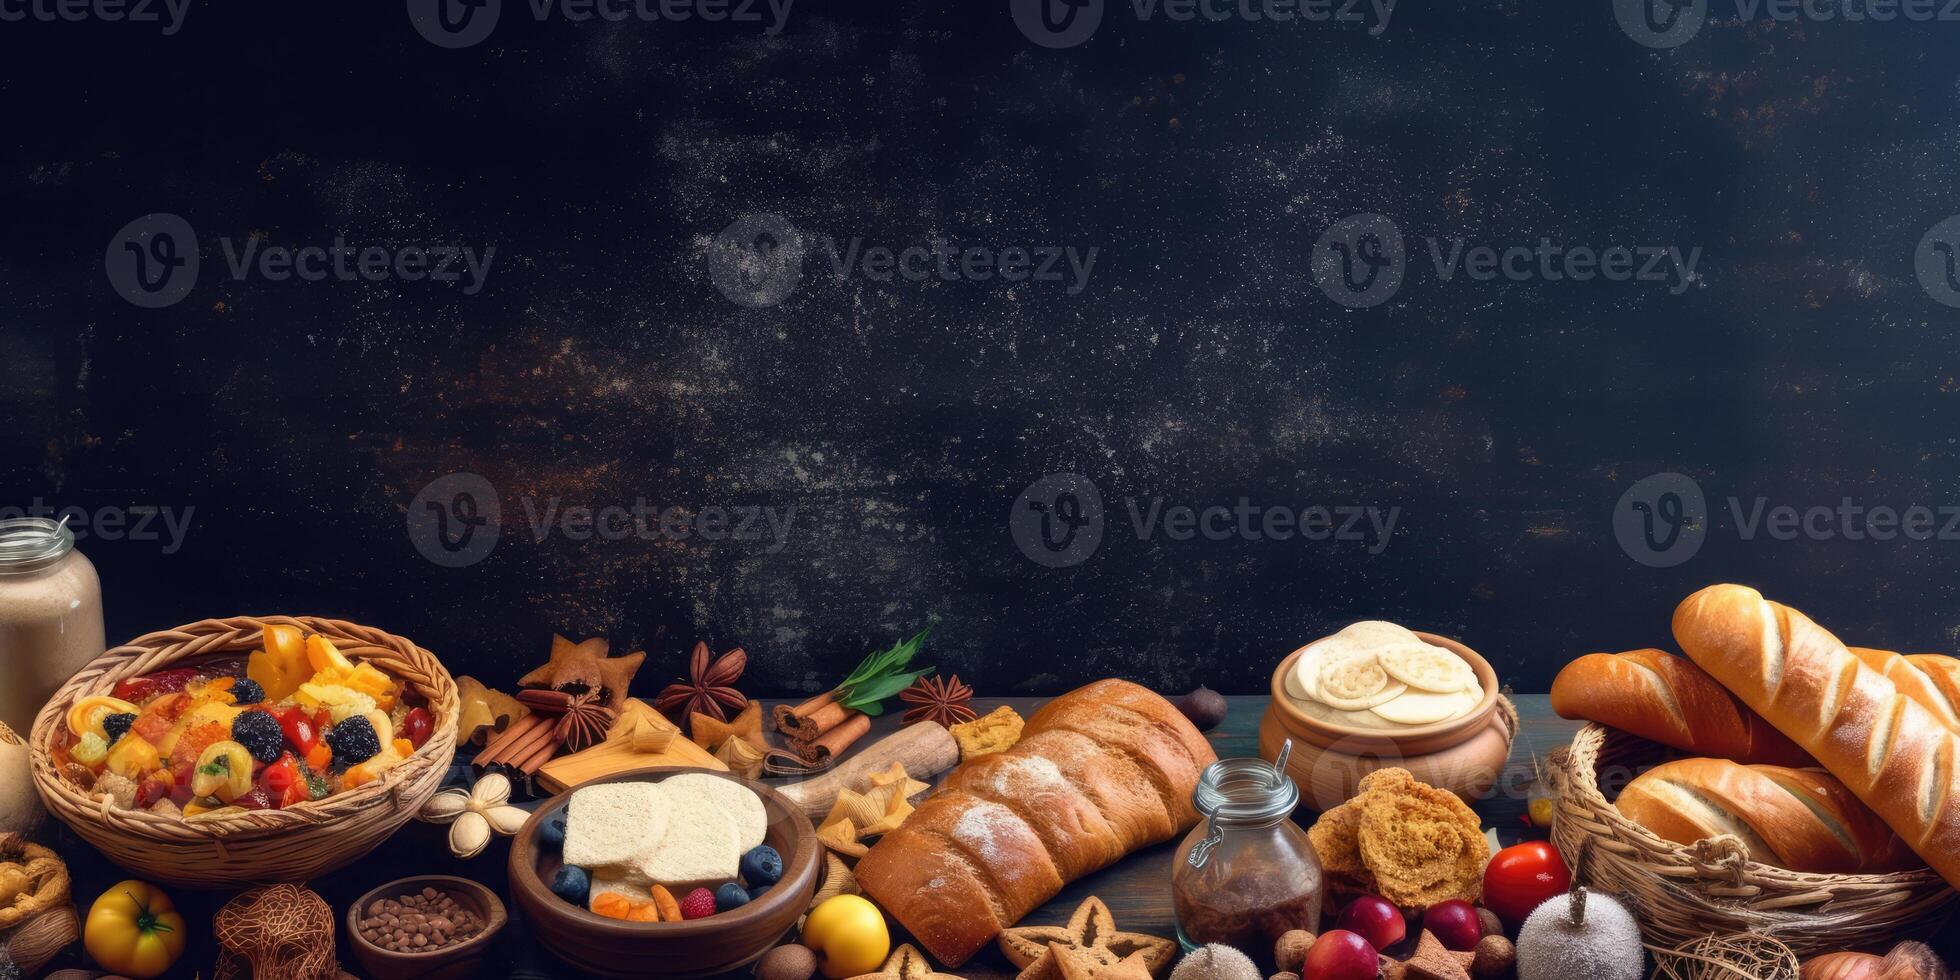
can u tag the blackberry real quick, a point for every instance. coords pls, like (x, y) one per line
(117, 725)
(353, 740)
(259, 732)
(247, 691)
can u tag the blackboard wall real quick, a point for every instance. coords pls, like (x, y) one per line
(662, 323)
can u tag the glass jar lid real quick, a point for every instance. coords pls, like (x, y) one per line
(1247, 790)
(28, 543)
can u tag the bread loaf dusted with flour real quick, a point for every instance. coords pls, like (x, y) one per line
(1099, 772)
(1885, 747)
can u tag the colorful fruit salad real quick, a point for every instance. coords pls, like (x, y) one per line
(293, 722)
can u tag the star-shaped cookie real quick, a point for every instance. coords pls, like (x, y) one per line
(1434, 961)
(584, 666)
(1037, 951)
(906, 963)
(1077, 964)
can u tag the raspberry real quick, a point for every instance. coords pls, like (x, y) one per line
(699, 904)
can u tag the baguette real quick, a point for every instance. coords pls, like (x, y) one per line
(1800, 819)
(1885, 747)
(1098, 773)
(1666, 699)
(1926, 678)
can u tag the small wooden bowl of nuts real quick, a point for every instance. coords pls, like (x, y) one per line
(433, 927)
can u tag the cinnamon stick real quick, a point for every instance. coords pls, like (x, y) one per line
(520, 742)
(832, 743)
(812, 718)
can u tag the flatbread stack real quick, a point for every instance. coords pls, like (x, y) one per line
(1379, 675)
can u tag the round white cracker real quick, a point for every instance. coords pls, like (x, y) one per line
(1427, 668)
(1304, 682)
(1389, 688)
(1351, 677)
(1425, 708)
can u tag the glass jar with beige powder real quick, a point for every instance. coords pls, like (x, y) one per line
(50, 615)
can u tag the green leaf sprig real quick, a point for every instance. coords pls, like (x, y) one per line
(882, 675)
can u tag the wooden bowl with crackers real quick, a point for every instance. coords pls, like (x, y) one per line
(700, 947)
(1333, 748)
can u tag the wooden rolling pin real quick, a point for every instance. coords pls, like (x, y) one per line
(924, 749)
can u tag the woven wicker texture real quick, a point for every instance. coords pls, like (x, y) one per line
(1689, 892)
(293, 844)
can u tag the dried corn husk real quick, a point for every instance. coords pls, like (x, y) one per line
(741, 758)
(837, 880)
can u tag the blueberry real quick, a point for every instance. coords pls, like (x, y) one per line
(730, 896)
(552, 834)
(762, 866)
(571, 883)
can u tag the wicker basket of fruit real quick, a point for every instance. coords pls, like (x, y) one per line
(250, 749)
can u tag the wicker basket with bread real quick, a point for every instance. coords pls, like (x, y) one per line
(1773, 781)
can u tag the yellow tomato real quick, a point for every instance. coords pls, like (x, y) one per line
(133, 929)
(848, 933)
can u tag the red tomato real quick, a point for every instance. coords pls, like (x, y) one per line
(1521, 876)
(283, 783)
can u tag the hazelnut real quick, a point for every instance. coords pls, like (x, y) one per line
(1494, 958)
(791, 961)
(1493, 926)
(1291, 950)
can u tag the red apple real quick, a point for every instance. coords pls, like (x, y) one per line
(1375, 920)
(1455, 924)
(1341, 955)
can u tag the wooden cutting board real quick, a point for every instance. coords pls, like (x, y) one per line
(616, 754)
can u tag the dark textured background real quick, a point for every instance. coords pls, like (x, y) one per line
(1201, 364)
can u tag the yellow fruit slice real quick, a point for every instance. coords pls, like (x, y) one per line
(85, 718)
(134, 757)
(282, 666)
(224, 770)
(325, 657)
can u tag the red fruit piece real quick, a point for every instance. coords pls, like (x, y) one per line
(699, 904)
(1455, 924)
(137, 690)
(1376, 920)
(1521, 876)
(299, 729)
(416, 726)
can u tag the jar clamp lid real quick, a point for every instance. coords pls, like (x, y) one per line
(1241, 791)
(28, 543)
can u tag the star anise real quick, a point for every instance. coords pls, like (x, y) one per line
(585, 722)
(939, 699)
(709, 687)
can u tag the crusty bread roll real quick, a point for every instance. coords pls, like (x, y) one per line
(1884, 746)
(1800, 819)
(1662, 697)
(1099, 772)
